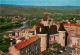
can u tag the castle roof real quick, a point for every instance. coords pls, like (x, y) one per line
(46, 29)
(52, 29)
(23, 44)
(43, 30)
(61, 28)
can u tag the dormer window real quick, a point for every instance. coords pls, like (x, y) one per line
(49, 20)
(40, 29)
(63, 37)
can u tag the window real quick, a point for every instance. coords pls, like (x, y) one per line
(63, 37)
(54, 38)
(36, 48)
(26, 51)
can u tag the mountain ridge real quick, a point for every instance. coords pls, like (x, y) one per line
(45, 7)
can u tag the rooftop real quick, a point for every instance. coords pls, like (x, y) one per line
(23, 43)
(46, 17)
(68, 24)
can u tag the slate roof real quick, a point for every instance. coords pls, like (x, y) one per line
(46, 29)
(52, 29)
(61, 28)
(43, 29)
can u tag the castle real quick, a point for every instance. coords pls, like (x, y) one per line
(50, 33)
(46, 30)
(31, 40)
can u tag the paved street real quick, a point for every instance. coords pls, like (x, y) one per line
(68, 51)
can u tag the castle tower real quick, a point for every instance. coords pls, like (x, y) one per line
(41, 32)
(62, 35)
(43, 41)
(47, 21)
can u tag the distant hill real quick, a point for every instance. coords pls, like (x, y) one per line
(59, 7)
(38, 11)
(46, 7)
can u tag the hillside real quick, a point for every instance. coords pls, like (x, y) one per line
(59, 7)
(38, 11)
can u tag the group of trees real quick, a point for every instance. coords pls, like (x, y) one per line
(5, 42)
(50, 51)
(5, 20)
(9, 26)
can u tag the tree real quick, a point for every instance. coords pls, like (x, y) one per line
(47, 52)
(57, 46)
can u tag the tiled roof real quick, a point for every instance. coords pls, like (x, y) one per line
(22, 44)
(28, 30)
(75, 36)
(69, 24)
(22, 38)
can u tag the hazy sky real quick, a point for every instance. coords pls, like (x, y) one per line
(42, 2)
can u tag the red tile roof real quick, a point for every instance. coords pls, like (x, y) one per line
(22, 44)
(69, 24)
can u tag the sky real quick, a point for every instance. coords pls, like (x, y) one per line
(42, 2)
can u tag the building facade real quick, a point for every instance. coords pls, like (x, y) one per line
(29, 46)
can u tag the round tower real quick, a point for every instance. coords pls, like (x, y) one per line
(43, 41)
(62, 35)
(62, 38)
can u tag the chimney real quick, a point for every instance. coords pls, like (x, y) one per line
(10, 35)
(40, 29)
(17, 40)
(27, 36)
(34, 29)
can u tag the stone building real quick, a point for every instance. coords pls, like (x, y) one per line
(73, 31)
(26, 46)
(50, 33)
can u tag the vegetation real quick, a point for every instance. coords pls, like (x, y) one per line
(9, 26)
(50, 51)
(5, 42)
(32, 12)
(56, 46)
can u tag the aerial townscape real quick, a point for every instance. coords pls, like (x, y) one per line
(39, 27)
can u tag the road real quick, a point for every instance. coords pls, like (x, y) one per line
(68, 51)
(12, 30)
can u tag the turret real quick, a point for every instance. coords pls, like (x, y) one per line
(43, 41)
(34, 29)
(62, 35)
